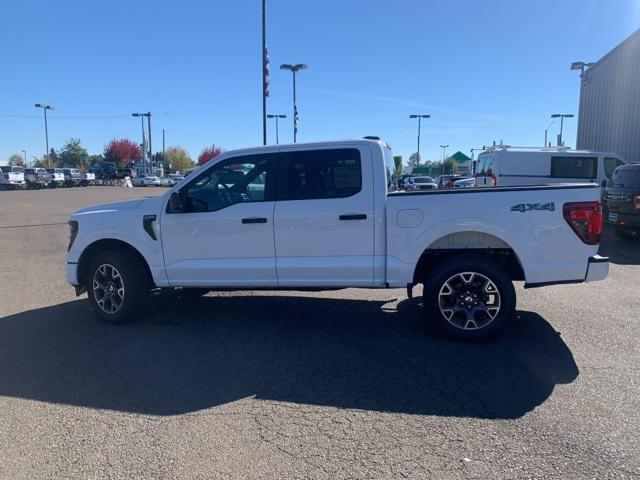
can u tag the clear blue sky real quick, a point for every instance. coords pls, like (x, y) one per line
(484, 70)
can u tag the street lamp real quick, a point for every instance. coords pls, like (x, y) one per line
(45, 107)
(419, 116)
(545, 134)
(24, 153)
(294, 69)
(581, 66)
(276, 117)
(561, 116)
(444, 153)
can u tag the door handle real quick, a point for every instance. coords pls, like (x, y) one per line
(254, 220)
(354, 216)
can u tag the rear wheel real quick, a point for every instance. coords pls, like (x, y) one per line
(469, 297)
(118, 286)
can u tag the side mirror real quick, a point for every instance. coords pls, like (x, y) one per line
(176, 203)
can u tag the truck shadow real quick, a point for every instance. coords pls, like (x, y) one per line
(321, 351)
(620, 252)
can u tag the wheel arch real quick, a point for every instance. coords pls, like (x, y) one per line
(107, 244)
(469, 242)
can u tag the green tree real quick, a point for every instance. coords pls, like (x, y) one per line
(177, 159)
(413, 161)
(93, 159)
(397, 160)
(16, 159)
(449, 165)
(73, 154)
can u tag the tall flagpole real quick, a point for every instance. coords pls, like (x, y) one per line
(265, 92)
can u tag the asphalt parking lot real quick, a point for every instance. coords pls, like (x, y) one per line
(342, 384)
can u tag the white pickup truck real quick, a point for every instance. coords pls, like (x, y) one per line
(324, 215)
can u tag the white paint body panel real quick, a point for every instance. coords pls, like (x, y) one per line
(304, 244)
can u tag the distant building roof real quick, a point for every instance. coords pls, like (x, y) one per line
(460, 157)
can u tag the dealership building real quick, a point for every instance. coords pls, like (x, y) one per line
(609, 116)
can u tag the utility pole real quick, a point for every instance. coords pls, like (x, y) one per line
(444, 153)
(24, 153)
(45, 107)
(163, 147)
(144, 142)
(419, 117)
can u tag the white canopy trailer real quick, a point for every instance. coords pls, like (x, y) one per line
(504, 165)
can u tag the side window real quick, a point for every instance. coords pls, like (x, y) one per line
(334, 173)
(235, 180)
(574, 167)
(610, 164)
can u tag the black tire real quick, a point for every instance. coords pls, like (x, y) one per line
(135, 283)
(627, 234)
(491, 286)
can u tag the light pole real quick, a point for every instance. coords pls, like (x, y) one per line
(561, 116)
(419, 116)
(45, 107)
(444, 153)
(24, 153)
(294, 69)
(276, 117)
(148, 115)
(582, 66)
(545, 134)
(163, 149)
(144, 142)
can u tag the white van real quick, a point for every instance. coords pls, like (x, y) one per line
(503, 165)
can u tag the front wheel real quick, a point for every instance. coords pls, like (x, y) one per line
(118, 286)
(469, 297)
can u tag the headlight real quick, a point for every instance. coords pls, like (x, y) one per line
(73, 231)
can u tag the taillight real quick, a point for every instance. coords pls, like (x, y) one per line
(585, 218)
(636, 201)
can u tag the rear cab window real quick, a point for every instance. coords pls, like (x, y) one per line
(318, 174)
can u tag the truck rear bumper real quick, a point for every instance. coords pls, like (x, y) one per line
(597, 268)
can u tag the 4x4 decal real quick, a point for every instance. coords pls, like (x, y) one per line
(529, 207)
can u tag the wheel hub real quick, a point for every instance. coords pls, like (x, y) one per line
(469, 300)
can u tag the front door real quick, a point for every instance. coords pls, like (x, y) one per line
(324, 223)
(225, 235)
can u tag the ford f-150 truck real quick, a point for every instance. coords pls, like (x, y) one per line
(323, 215)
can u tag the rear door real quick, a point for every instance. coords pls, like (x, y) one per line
(324, 223)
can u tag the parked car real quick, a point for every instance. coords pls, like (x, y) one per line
(326, 219)
(127, 172)
(72, 177)
(447, 181)
(12, 177)
(468, 182)
(104, 170)
(37, 177)
(57, 177)
(171, 180)
(87, 178)
(503, 165)
(146, 181)
(622, 201)
(421, 183)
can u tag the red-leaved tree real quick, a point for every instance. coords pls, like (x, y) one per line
(208, 153)
(121, 151)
